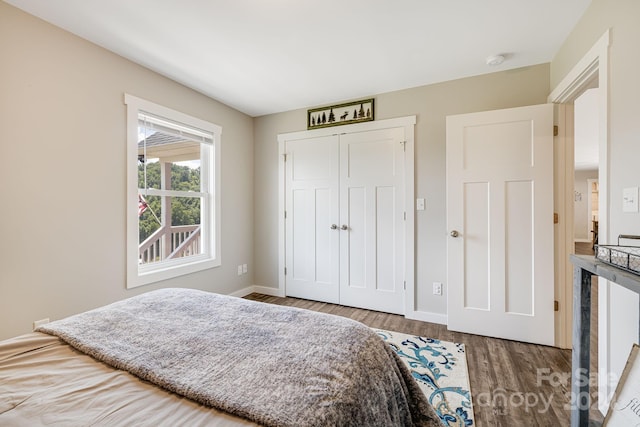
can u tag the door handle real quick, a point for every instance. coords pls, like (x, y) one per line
(454, 233)
(344, 227)
(334, 227)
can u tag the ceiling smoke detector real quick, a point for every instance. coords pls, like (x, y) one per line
(495, 60)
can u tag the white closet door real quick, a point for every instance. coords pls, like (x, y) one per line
(312, 244)
(372, 220)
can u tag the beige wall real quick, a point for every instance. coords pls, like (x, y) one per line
(618, 327)
(62, 147)
(431, 104)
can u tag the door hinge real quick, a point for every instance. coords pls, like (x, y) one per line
(555, 131)
(285, 214)
(405, 216)
(285, 271)
(404, 145)
(556, 218)
(285, 156)
(556, 306)
(404, 284)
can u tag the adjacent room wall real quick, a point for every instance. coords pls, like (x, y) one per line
(618, 316)
(582, 217)
(62, 145)
(431, 104)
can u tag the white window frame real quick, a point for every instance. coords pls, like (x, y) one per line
(138, 275)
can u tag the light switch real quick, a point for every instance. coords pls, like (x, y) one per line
(630, 199)
(420, 204)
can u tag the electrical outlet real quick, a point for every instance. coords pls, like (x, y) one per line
(244, 269)
(437, 288)
(240, 270)
(420, 204)
(38, 323)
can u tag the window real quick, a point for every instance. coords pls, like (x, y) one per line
(173, 193)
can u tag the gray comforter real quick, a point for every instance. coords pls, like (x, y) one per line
(278, 366)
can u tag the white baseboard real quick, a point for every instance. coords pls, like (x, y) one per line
(426, 316)
(265, 290)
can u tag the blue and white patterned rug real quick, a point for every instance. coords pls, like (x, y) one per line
(440, 368)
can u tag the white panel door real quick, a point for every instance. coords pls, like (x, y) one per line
(500, 220)
(371, 220)
(312, 235)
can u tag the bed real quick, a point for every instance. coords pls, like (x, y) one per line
(187, 357)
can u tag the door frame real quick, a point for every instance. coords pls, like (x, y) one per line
(408, 123)
(593, 65)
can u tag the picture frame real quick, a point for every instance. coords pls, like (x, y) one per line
(341, 114)
(624, 409)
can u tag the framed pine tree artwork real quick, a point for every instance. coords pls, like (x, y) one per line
(341, 114)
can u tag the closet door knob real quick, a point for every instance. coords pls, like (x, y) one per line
(454, 233)
(344, 227)
(334, 227)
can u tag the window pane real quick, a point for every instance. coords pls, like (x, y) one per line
(185, 176)
(156, 148)
(163, 238)
(149, 214)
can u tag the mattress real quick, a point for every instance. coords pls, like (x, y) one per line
(45, 382)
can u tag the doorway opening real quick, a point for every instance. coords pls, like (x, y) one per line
(586, 171)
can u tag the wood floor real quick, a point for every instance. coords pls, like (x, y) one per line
(512, 383)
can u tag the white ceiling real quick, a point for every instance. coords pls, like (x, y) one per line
(267, 56)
